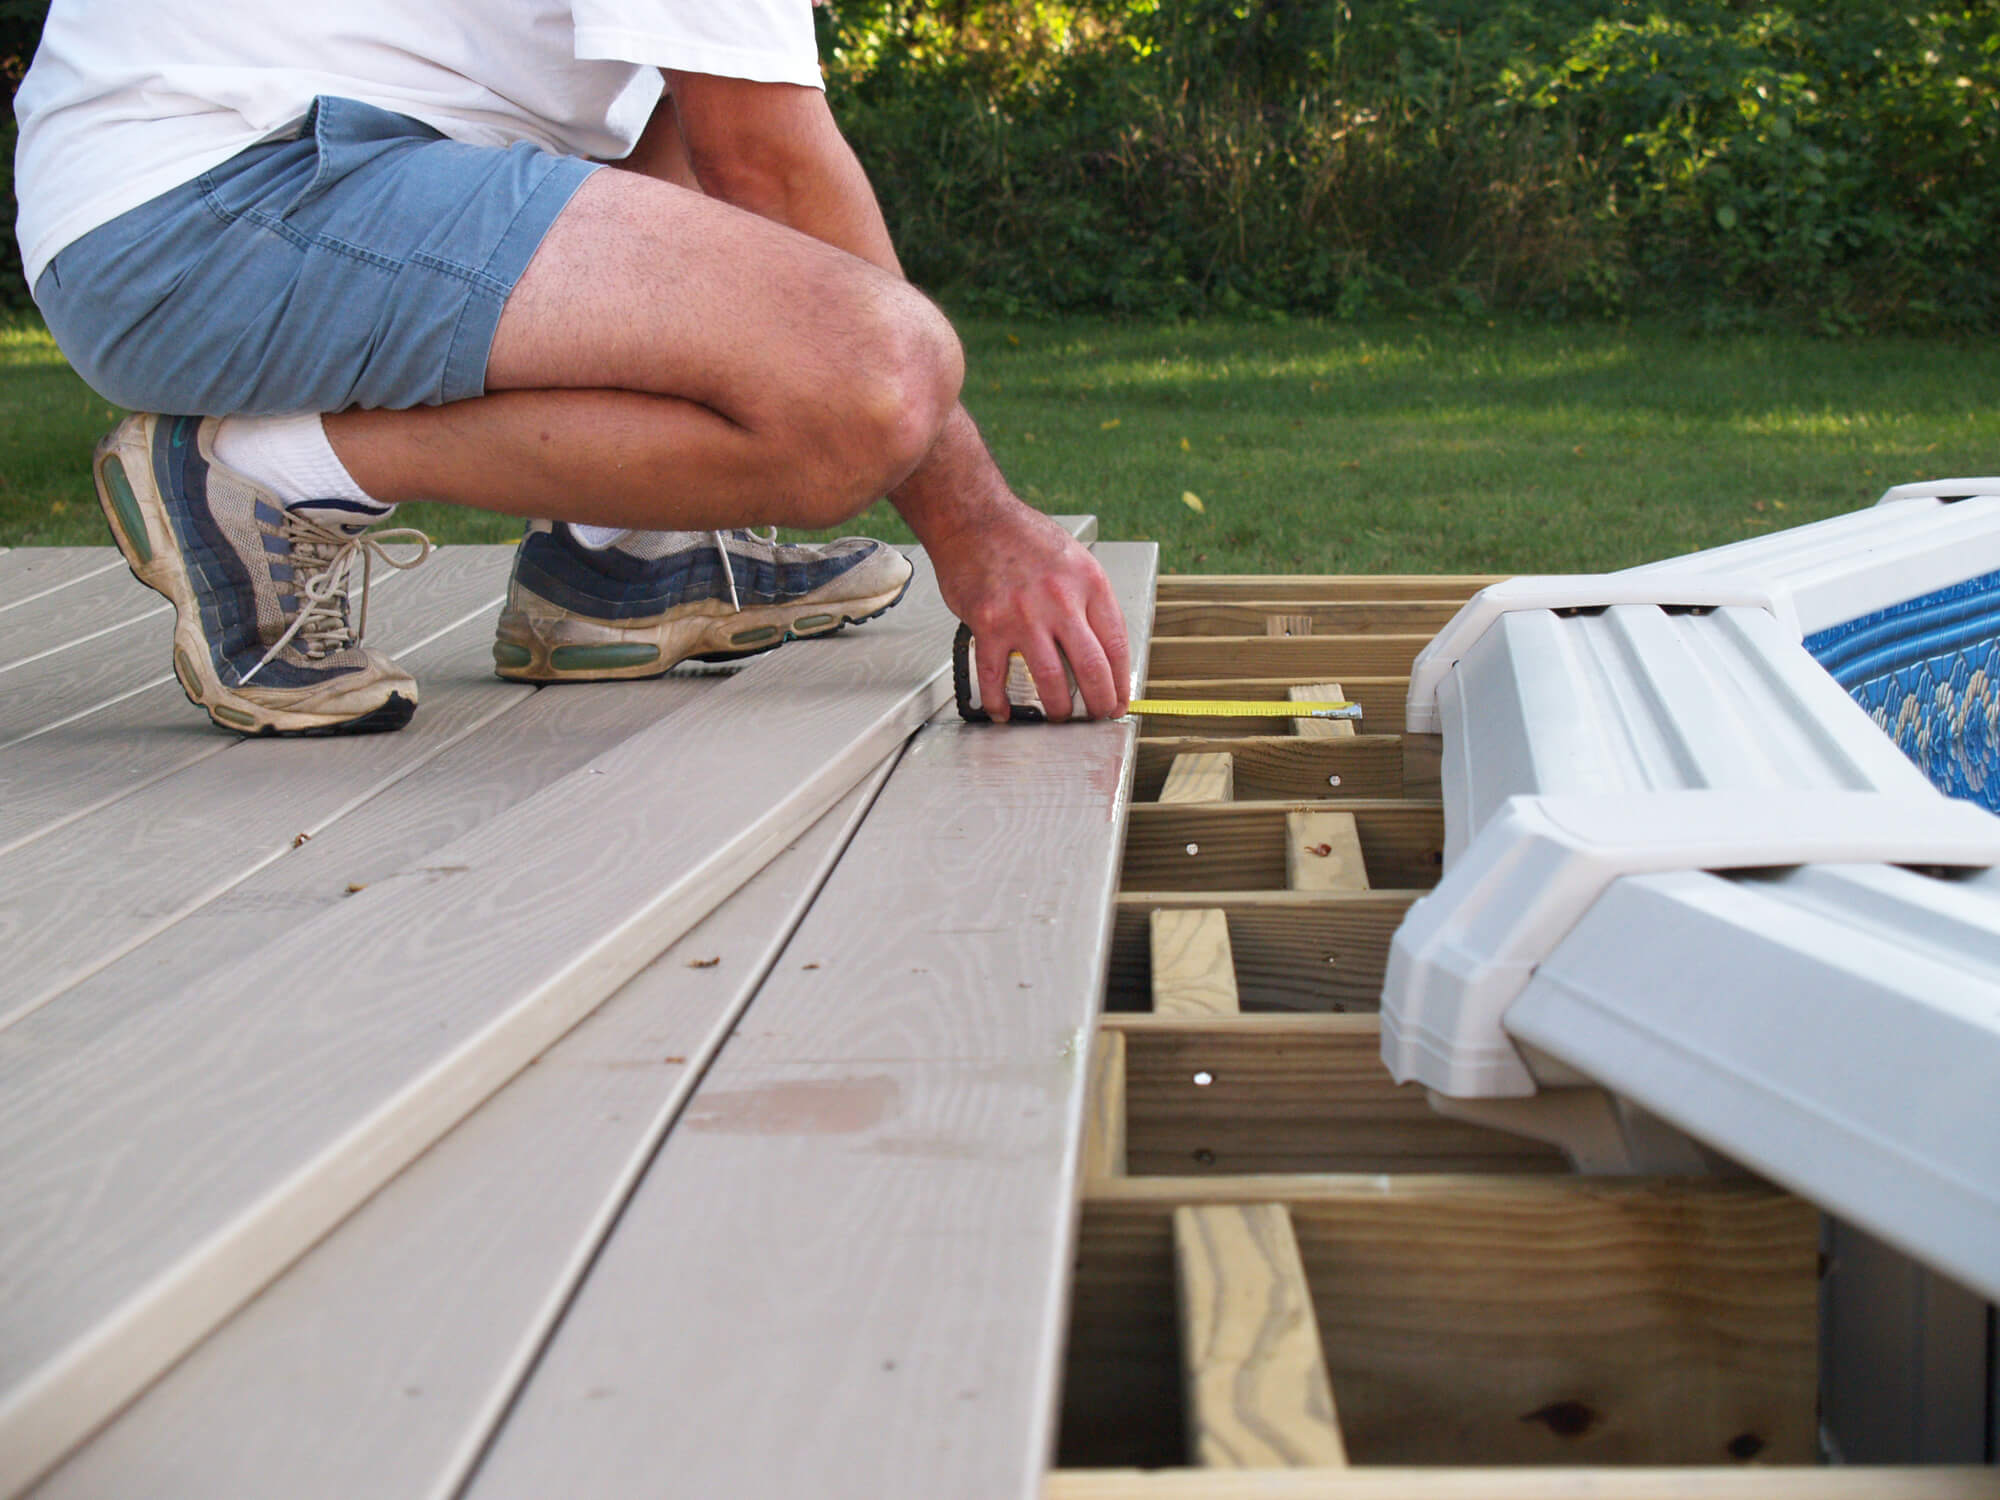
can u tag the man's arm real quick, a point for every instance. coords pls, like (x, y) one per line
(1008, 571)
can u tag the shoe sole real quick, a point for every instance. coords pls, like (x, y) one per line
(521, 654)
(145, 537)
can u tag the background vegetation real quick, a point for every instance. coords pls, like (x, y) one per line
(1385, 446)
(1831, 163)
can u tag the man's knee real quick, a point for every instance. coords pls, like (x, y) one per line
(890, 407)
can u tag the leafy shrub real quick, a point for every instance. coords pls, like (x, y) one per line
(1832, 162)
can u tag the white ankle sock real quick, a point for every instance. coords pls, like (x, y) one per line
(596, 538)
(290, 456)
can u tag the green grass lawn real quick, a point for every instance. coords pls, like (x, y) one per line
(1398, 447)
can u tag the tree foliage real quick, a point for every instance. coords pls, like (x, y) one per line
(1833, 162)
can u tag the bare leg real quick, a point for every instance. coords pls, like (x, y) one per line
(670, 362)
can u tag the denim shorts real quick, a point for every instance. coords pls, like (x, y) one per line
(362, 263)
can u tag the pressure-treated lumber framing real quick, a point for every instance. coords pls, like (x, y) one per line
(1199, 777)
(1275, 1093)
(1293, 950)
(350, 1069)
(1194, 973)
(1320, 729)
(1535, 1320)
(1323, 852)
(1304, 658)
(1284, 767)
(1340, 617)
(1258, 1393)
(380, 1363)
(1104, 1112)
(1241, 846)
(1384, 702)
(884, 1158)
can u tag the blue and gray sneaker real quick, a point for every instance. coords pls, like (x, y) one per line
(262, 636)
(651, 600)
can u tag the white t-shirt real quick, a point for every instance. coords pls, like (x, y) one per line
(128, 98)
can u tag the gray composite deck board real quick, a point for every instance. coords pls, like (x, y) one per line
(134, 867)
(125, 747)
(75, 618)
(845, 1274)
(379, 1363)
(26, 573)
(147, 1188)
(541, 737)
(56, 690)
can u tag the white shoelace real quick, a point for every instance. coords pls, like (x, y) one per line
(729, 572)
(322, 573)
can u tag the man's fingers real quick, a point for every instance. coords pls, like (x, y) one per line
(1102, 698)
(991, 655)
(1045, 665)
(1107, 624)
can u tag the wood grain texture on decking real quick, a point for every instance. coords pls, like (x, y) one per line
(75, 618)
(27, 573)
(348, 1070)
(884, 1159)
(123, 749)
(132, 867)
(414, 1321)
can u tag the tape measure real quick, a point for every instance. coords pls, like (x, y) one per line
(1205, 708)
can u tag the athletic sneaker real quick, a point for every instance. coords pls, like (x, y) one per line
(653, 599)
(262, 635)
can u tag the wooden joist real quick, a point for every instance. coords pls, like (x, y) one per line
(1383, 701)
(1104, 1112)
(1278, 1093)
(1241, 846)
(1320, 729)
(1323, 852)
(1293, 950)
(1303, 658)
(1284, 767)
(1531, 1321)
(1341, 617)
(1194, 973)
(1200, 777)
(1257, 1389)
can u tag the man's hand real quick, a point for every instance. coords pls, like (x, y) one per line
(1024, 584)
(1018, 579)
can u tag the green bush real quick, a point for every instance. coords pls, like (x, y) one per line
(1834, 163)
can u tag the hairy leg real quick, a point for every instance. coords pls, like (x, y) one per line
(668, 361)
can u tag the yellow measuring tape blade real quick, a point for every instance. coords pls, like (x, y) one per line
(1227, 708)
